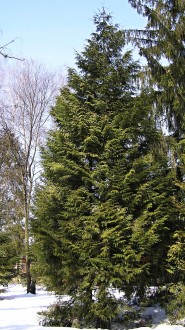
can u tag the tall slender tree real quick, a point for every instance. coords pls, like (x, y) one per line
(163, 45)
(31, 93)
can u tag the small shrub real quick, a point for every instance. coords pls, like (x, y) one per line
(176, 305)
(57, 315)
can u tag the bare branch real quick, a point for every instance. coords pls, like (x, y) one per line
(8, 56)
(4, 51)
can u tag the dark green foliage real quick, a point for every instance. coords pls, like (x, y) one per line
(109, 200)
(176, 305)
(163, 45)
(11, 212)
(58, 315)
(8, 258)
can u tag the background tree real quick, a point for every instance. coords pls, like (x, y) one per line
(31, 94)
(99, 163)
(162, 43)
(11, 210)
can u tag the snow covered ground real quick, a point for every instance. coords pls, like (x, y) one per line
(18, 310)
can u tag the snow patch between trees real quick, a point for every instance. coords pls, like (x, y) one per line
(18, 310)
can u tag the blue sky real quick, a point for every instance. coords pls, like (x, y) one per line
(51, 30)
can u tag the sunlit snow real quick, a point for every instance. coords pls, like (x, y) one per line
(18, 310)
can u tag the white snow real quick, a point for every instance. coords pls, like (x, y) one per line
(18, 310)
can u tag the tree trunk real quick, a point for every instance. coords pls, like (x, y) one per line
(33, 287)
(28, 276)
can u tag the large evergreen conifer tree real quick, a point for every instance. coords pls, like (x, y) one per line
(163, 45)
(102, 206)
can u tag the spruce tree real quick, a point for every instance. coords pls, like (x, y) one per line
(163, 45)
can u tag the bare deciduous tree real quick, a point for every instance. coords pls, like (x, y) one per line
(31, 90)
